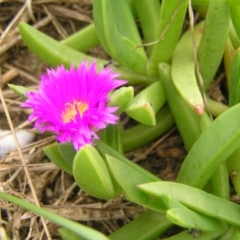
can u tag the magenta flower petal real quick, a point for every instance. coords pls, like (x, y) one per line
(73, 103)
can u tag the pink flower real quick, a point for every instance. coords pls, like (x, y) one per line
(73, 103)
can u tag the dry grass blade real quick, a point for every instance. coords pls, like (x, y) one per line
(29, 8)
(13, 22)
(21, 73)
(8, 76)
(79, 213)
(63, 11)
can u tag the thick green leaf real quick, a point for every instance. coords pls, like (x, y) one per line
(116, 45)
(220, 182)
(107, 150)
(196, 199)
(228, 57)
(51, 51)
(55, 53)
(234, 39)
(146, 104)
(188, 122)
(200, 2)
(183, 69)
(214, 38)
(83, 40)
(171, 202)
(142, 112)
(211, 149)
(20, 90)
(68, 152)
(147, 226)
(91, 174)
(234, 93)
(187, 218)
(171, 21)
(148, 13)
(112, 137)
(68, 235)
(216, 108)
(55, 156)
(196, 233)
(125, 22)
(128, 178)
(121, 98)
(182, 216)
(232, 233)
(233, 2)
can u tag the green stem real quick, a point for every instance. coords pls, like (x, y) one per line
(83, 40)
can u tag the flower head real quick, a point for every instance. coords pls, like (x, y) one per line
(73, 103)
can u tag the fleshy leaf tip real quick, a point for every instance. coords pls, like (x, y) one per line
(199, 109)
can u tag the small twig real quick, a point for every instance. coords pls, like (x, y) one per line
(57, 25)
(22, 73)
(160, 140)
(64, 196)
(62, 11)
(8, 76)
(155, 144)
(29, 8)
(39, 167)
(8, 45)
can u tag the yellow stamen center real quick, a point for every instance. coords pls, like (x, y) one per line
(71, 110)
